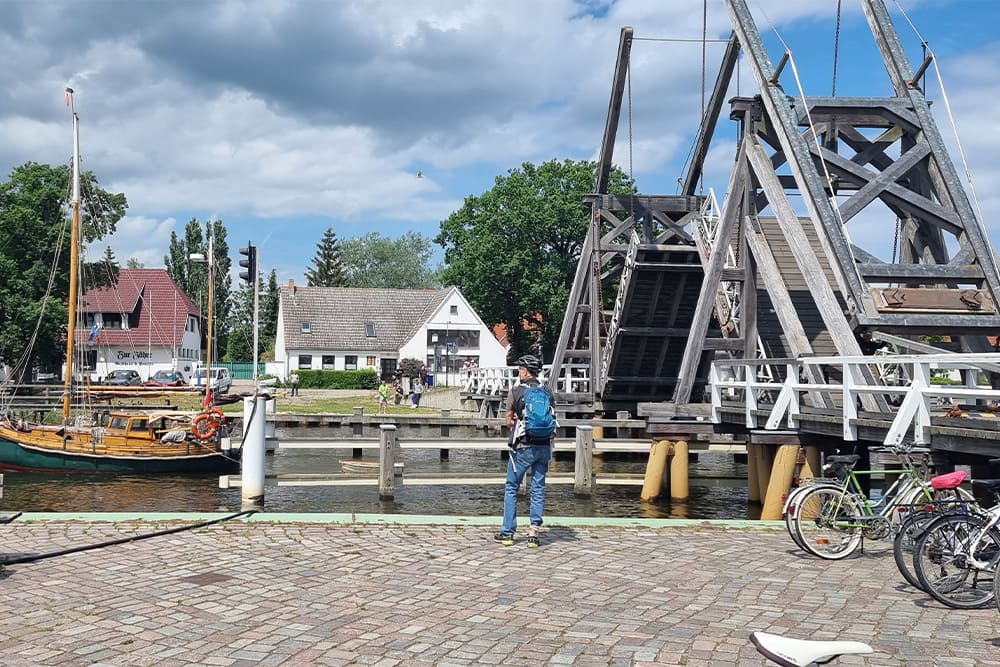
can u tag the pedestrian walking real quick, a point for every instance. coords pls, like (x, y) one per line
(293, 381)
(531, 420)
(415, 392)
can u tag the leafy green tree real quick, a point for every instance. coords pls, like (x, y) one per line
(269, 314)
(513, 250)
(34, 258)
(192, 277)
(240, 342)
(327, 270)
(373, 260)
(134, 263)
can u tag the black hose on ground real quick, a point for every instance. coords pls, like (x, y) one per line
(177, 529)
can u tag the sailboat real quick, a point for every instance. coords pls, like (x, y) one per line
(112, 441)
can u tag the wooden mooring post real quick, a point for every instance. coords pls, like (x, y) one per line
(387, 462)
(584, 479)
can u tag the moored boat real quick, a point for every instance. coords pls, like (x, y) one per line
(364, 467)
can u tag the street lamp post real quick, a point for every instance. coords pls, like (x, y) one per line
(210, 259)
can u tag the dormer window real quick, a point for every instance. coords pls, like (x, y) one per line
(306, 327)
(370, 329)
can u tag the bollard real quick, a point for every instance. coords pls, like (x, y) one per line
(655, 468)
(679, 471)
(584, 479)
(780, 480)
(387, 462)
(252, 460)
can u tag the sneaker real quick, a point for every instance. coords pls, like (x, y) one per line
(532, 541)
(506, 539)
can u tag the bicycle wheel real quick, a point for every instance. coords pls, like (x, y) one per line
(827, 522)
(942, 566)
(904, 543)
(791, 510)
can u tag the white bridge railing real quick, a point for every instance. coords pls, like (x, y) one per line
(575, 378)
(738, 381)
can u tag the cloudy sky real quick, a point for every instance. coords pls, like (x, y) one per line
(285, 118)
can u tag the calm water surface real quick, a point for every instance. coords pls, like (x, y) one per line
(717, 490)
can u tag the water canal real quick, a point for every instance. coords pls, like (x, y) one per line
(717, 486)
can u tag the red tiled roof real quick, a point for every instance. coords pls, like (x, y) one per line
(162, 308)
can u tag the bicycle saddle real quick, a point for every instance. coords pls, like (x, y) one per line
(849, 459)
(802, 652)
(951, 480)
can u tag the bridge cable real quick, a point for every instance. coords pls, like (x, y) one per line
(836, 50)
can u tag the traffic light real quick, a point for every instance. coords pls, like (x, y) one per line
(250, 263)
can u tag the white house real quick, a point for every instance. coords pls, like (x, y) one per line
(353, 328)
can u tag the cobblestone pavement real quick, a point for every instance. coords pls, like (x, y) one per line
(288, 593)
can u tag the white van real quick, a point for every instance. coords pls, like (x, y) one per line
(221, 382)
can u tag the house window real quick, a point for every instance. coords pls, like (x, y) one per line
(112, 321)
(453, 310)
(370, 329)
(329, 362)
(371, 361)
(350, 362)
(306, 327)
(305, 361)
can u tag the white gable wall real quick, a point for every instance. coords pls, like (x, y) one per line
(454, 317)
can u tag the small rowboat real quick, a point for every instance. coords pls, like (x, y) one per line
(363, 467)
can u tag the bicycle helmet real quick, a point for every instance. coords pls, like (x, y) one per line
(531, 362)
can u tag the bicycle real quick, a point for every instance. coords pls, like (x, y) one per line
(830, 520)
(920, 516)
(956, 555)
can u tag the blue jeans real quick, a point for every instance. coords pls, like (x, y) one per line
(536, 458)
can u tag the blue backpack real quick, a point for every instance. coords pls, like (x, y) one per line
(539, 420)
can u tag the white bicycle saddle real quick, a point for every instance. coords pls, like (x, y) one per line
(789, 652)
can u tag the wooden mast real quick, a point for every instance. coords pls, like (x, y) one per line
(74, 261)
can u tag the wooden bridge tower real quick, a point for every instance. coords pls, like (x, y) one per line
(762, 277)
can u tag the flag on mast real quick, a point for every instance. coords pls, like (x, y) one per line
(95, 331)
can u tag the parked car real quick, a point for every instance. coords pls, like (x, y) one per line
(221, 381)
(165, 379)
(123, 378)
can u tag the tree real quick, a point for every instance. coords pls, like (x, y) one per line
(34, 246)
(513, 250)
(192, 277)
(327, 269)
(373, 260)
(269, 313)
(134, 263)
(240, 342)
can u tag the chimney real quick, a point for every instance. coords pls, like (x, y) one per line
(291, 286)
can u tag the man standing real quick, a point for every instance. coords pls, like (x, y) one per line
(293, 380)
(532, 424)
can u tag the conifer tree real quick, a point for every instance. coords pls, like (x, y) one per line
(327, 270)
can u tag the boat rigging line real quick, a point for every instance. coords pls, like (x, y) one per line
(31, 558)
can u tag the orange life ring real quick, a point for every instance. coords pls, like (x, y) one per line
(207, 424)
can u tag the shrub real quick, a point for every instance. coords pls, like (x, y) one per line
(410, 367)
(363, 379)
